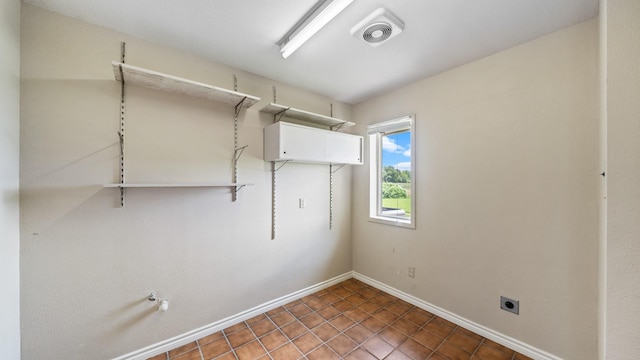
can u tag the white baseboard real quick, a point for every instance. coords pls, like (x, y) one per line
(502, 339)
(196, 334)
(193, 335)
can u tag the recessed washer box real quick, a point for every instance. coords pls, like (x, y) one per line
(510, 305)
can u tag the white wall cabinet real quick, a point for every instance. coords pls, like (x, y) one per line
(291, 142)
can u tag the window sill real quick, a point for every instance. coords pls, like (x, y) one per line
(393, 221)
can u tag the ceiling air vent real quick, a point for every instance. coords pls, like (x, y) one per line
(378, 27)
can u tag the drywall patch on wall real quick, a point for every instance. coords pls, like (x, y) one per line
(9, 171)
(508, 181)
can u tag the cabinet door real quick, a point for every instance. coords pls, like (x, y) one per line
(302, 143)
(344, 148)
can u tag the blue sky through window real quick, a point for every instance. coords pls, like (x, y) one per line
(396, 150)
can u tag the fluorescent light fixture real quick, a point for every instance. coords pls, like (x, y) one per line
(314, 20)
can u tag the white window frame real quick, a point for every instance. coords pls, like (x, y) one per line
(375, 133)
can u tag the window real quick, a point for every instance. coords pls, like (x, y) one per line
(392, 193)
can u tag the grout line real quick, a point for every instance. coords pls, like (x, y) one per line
(258, 338)
(308, 329)
(477, 346)
(199, 349)
(445, 340)
(224, 334)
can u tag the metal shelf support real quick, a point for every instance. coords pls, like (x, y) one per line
(273, 200)
(237, 152)
(340, 166)
(279, 115)
(330, 196)
(331, 177)
(122, 128)
(273, 179)
(281, 165)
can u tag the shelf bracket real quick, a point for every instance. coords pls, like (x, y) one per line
(238, 106)
(121, 137)
(338, 169)
(238, 152)
(279, 115)
(283, 164)
(337, 127)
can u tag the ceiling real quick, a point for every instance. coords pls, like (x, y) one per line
(438, 35)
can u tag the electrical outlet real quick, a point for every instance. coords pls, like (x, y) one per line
(412, 272)
(301, 203)
(510, 305)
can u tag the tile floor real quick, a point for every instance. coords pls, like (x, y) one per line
(350, 320)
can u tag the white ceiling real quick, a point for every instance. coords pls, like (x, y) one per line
(439, 35)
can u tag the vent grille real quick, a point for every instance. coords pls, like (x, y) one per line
(377, 32)
(378, 27)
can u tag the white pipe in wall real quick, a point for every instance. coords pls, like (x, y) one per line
(163, 305)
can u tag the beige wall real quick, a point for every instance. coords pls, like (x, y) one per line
(9, 208)
(88, 265)
(508, 200)
(622, 31)
(508, 180)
